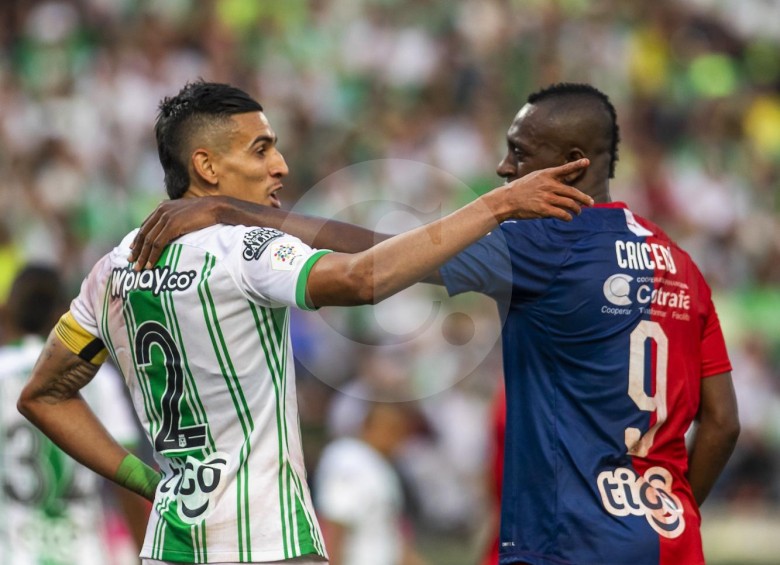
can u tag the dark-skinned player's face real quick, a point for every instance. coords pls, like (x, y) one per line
(530, 145)
(251, 167)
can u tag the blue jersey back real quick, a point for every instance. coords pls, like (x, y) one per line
(602, 348)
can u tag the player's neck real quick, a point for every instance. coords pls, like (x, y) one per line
(599, 192)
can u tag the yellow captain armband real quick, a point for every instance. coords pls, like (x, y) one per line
(80, 341)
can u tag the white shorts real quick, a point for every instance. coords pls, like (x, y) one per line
(305, 560)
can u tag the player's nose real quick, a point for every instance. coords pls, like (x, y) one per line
(506, 169)
(278, 166)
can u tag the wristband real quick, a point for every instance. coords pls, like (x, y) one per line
(137, 476)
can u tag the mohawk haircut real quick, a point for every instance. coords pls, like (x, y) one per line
(580, 91)
(198, 105)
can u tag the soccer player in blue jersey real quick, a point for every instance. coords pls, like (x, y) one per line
(612, 349)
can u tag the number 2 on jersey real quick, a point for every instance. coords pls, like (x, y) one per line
(637, 444)
(172, 435)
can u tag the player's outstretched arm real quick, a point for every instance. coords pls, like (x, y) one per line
(716, 435)
(368, 277)
(51, 400)
(174, 218)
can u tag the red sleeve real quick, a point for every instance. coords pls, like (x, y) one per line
(714, 357)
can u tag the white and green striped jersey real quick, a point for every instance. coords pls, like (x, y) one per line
(52, 508)
(203, 342)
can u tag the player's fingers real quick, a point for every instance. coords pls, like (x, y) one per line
(566, 204)
(150, 221)
(552, 211)
(568, 168)
(575, 194)
(149, 248)
(139, 237)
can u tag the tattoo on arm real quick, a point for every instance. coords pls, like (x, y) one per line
(71, 375)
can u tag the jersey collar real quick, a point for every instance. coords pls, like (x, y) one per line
(611, 205)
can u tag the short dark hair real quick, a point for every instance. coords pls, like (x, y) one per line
(196, 105)
(586, 91)
(36, 299)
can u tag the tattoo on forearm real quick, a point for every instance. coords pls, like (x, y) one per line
(70, 377)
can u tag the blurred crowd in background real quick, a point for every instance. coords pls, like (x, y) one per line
(390, 112)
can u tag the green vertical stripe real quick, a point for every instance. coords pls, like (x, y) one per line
(107, 339)
(298, 526)
(171, 535)
(129, 312)
(242, 411)
(195, 544)
(308, 531)
(267, 347)
(140, 378)
(191, 392)
(281, 325)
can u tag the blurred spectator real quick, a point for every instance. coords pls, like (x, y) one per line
(358, 493)
(54, 510)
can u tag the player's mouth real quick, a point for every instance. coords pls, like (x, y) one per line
(274, 197)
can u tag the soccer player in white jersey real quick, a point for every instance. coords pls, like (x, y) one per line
(53, 509)
(202, 338)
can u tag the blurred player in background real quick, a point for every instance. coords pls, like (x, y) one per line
(203, 338)
(53, 509)
(358, 493)
(612, 348)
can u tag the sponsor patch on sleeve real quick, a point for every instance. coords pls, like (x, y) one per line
(285, 255)
(257, 240)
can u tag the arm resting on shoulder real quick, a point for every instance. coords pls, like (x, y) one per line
(716, 434)
(316, 232)
(51, 400)
(174, 218)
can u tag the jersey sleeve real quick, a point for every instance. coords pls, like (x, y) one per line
(518, 261)
(272, 268)
(483, 267)
(78, 328)
(714, 356)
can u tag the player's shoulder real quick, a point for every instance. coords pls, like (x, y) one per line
(121, 251)
(546, 232)
(683, 259)
(221, 240)
(658, 233)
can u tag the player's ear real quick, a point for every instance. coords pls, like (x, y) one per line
(575, 154)
(205, 167)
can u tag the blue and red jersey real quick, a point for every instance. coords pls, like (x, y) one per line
(609, 329)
